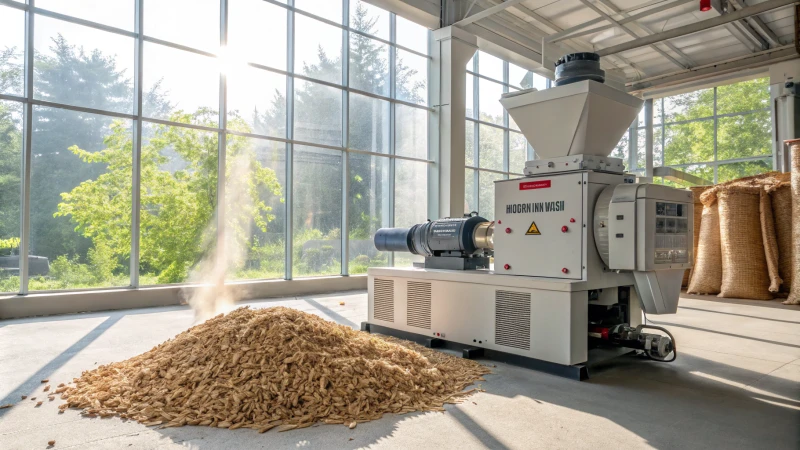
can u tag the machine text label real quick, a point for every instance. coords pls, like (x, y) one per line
(539, 184)
(522, 208)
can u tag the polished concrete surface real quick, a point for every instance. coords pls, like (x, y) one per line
(736, 384)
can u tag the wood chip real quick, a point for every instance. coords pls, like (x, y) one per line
(341, 303)
(272, 368)
(51, 443)
(47, 388)
(39, 404)
(24, 397)
(46, 380)
(7, 405)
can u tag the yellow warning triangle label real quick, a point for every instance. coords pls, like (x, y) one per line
(533, 229)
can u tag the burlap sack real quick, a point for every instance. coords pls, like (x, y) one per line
(770, 241)
(744, 264)
(697, 191)
(707, 273)
(794, 294)
(782, 214)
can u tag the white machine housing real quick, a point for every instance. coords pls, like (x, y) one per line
(555, 249)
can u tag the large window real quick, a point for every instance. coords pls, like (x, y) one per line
(136, 178)
(717, 134)
(495, 148)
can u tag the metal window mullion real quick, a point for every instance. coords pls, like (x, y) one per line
(25, 188)
(136, 163)
(476, 136)
(289, 164)
(345, 234)
(716, 122)
(506, 123)
(222, 143)
(663, 136)
(392, 128)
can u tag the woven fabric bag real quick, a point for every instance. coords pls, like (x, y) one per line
(794, 294)
(744, 263)
(782, 214)
(707, 272)
(697, 191)
(770, 241)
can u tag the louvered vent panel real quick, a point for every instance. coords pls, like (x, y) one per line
(419, 304)
(383, 300)
(512, 326)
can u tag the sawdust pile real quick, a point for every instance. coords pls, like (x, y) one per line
(274, 367)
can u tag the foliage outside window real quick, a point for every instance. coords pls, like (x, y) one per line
(352, 81)
(495, 148)
(718, 134)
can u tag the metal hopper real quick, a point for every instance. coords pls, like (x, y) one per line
(586, 118)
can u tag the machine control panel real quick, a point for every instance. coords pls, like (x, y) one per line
(543, 226)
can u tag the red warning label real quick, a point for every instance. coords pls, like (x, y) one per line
(539, 184)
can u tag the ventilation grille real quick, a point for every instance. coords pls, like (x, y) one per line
(419, 305)
(512, 326)
(383, 300)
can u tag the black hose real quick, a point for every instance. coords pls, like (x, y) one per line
(674, 344)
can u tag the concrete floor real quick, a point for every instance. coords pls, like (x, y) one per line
(736, 384)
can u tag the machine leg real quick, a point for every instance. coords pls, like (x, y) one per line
(434, 343)
(365, 326)
(472, 353)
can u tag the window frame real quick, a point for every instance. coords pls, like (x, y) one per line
(28, 101)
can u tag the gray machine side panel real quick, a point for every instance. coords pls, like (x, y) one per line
(596, 274)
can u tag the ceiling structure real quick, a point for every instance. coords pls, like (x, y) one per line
(645, 44)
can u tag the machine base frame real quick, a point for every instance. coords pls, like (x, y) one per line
(577, 372)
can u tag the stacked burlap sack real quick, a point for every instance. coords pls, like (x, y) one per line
(745, 240)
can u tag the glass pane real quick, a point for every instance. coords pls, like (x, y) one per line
(689, 143)
(491, 109)
(727, 172)
(412, 78)
(257, 102)
(327, 9)
(10, 183)
(658, 151)
(369, 19)
(80, 200)
(178, 198)
(491, 148)
(369, 65)
(411, 131)
(490, 66)
(519, 77)
(470, 202)
(12, 47)
(318, 49)
(411, 193)
(411, 35)
(744, 136)
(369, 124)
(317, 113)
(194, 23)
(369, 198)
(517, 152)
(486, 193)
(692, 105)
(82, 66)
(744, 96)
(115, 13)
(179, 80)
(251, 23)
(470, 103)
(622, 150)
(317, 211)
(469, 140)
(703, 171)
(657, 104)
(639, 159)
(256, 212)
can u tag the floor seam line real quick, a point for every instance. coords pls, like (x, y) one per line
(766, 375)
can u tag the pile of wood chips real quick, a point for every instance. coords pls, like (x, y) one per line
(274, 367)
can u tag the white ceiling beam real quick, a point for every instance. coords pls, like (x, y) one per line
(691, 28)
(630, 33)
(740, 29)
(758, 24)
(647, 31)
(487, 12)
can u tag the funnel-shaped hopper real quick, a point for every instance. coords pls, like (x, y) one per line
(580, 118)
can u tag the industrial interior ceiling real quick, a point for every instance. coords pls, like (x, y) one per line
(646, 44)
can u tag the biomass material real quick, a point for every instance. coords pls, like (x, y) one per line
(274, 367)
(770, 241)
(782, 213)
(707, 272)
(744, 265)
(794, 294)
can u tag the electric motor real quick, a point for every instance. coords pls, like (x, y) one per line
(462, 235)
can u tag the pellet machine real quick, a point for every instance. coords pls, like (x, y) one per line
(580, 249)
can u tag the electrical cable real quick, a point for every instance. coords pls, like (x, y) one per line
(674, 344)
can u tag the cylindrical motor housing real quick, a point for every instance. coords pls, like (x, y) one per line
(436, 237)
(575, 67)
